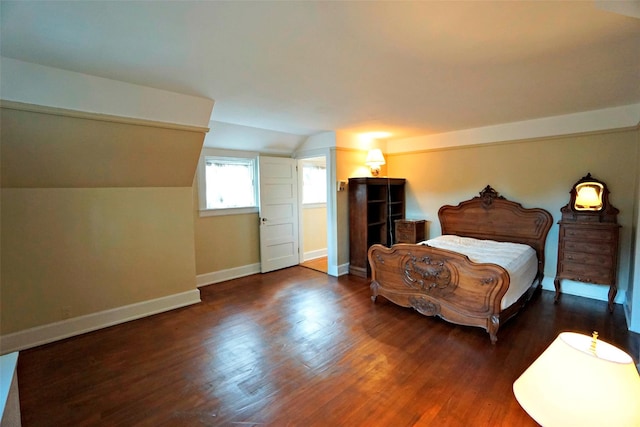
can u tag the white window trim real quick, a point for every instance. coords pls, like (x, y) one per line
(202, 184)
(228, 211)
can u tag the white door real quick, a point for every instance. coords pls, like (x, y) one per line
(278, 213)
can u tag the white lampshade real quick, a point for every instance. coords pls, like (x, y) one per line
(572, 385)
(375, 159)
(588, 197)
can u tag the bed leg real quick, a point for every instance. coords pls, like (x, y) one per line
(494, 324)
(374, 290)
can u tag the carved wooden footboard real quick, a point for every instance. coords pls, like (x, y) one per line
(437, 282)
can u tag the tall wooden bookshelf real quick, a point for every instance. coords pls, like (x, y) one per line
(374, 205)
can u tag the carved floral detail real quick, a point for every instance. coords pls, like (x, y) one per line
(488, 195)
(423, 306)
(427, 274)
(487, 281)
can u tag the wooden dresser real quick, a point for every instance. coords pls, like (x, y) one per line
(374, 206)
(588, 243)
(410, 230)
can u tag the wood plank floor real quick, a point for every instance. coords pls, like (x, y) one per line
(319, 264)
(299, 348)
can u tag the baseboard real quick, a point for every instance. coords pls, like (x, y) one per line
(307, 256)
(340, 271)
(597, 292)
(79, 325)
(247, 270)
(627, 317)
(223, 275)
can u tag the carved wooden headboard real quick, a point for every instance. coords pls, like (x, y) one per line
(492, 217)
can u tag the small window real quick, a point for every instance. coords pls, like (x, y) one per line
(314, 187)
(227, 183)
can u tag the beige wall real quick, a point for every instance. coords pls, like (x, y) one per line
(314, 228)
(79, 243)
(87, 250)
(41, 150)
(226, 242)
(536, 173)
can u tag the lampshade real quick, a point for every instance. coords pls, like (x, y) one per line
(571, 384)
(375, 157)
(588, 197)
(374, 160)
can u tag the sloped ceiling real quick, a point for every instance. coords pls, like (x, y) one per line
(407, 68)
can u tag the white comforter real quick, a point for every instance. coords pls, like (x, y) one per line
(518, 259)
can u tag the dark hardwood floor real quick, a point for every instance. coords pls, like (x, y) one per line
(299, 348)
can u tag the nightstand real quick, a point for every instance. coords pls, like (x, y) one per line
(410, 231)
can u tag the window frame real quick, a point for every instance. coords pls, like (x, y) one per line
(313, 204)
(202, 181)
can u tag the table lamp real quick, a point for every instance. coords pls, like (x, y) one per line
(375, 159)
(581, 381)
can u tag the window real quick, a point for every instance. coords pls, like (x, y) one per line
(227, 184)
(314, 183)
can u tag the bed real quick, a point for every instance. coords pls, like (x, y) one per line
(436, 280)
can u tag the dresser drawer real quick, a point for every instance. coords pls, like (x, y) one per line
(405, 226)
(603, 248)
(586, 273)
(405, 236)
(590, 234)
(592, 259)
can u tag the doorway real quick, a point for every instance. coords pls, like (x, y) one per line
(312, 173)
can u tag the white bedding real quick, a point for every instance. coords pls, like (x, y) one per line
(518, 259)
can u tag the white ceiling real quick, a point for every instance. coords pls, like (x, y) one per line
(408, 68)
